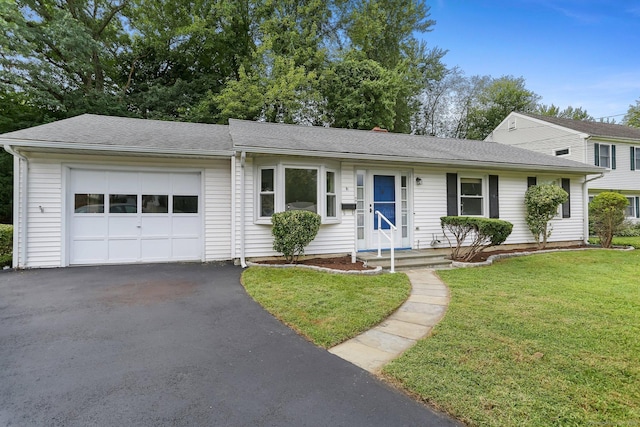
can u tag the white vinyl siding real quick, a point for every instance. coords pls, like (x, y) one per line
(536, 136)
(47, 226)
(620, 179)
(217, 210)
(430, 205)
(331, 239)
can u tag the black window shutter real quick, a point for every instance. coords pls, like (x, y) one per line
(637, 207)
(613, 157)
(531, 181)
(633, 158)
(494, 202)
(566, 207)
(452, 194)
(596, 152)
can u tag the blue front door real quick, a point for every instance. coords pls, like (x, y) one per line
(384, 199)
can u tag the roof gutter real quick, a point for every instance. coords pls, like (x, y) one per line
(116, 148)
(436, 162)
(585, 206)
(20, 187)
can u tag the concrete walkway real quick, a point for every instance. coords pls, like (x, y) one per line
(425, 306)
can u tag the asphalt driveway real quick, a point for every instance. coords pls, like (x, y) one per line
(171, 344)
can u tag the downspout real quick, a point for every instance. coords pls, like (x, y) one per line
(585, 204)
(233, 207)
(243, 156)
(23, 187)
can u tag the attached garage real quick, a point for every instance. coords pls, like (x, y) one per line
(131, 216)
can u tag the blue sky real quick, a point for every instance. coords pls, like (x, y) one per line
(583, 53)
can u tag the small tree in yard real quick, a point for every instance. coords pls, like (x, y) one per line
(542, 203)
(483, 232)
(293, 231)
(607, 215)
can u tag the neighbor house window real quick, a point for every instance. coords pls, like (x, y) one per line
(635, 158)
(471, 197)
(301, 189)
(605, 155)
(630, 211)
(297, 187)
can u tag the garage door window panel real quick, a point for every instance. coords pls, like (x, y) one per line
(155, 204)
(123, 203)
(185, 204)
(89, 203)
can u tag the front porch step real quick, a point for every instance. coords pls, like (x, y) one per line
(408, 259)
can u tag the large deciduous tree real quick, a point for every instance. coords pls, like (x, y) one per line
(632, 118)
(496, 100)
(63, 54)
(567, 113)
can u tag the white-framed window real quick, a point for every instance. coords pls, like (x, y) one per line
(472, 198)
(635, 158)
(267, 195)
(630, 211)
(289, 186)
(562, 152)
(605, 155)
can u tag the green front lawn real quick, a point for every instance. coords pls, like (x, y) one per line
(326, 308)
(549, 339)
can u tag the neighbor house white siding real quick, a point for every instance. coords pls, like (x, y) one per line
(541, 137)
(622, 178)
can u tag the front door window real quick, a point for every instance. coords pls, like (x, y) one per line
(384, 199)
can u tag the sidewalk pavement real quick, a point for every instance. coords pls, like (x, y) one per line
(425, 306)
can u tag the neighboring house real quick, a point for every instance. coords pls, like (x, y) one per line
(98, 190)
(614, 147)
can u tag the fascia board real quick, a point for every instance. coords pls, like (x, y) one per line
(113, 148)
(610, 139)
(416, 160)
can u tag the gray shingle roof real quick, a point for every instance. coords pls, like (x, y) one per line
(305, 140)
(606, 130)
(91, 129)
(94, 132)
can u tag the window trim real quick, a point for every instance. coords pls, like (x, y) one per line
(279, 168)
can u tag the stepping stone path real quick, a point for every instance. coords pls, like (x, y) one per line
(425, 306)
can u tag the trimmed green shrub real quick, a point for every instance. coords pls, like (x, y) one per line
(606, 211)
(541, 202)
(293, 231)
(6, 244)
(483, 232)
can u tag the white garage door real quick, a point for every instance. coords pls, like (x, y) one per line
(128, 217)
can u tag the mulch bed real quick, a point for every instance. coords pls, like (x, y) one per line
(336, 263)
(483, 256)
(344, 262)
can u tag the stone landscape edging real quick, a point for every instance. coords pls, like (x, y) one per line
(377, 270)
(489, 261)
